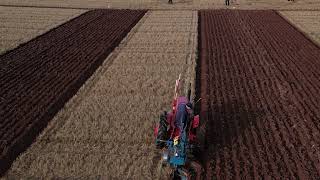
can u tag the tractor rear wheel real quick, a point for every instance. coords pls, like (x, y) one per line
(162, 130)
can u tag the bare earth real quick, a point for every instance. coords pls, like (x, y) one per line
(106, 129)
(261, 95)
(20, 24)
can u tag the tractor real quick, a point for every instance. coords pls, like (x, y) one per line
(175, 134)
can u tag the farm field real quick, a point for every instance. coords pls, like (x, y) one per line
(163, 5)
(37, 78)
(306, 21)
(260, 89)
(21, 24)
(72, 72)
(105, 130)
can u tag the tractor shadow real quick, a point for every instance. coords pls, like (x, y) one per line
(224, 124)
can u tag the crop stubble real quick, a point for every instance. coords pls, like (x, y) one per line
(260, 88)
(37, 78)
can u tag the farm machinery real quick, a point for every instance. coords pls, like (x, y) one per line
(175, 134)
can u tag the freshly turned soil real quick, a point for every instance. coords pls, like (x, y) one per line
(260, 84)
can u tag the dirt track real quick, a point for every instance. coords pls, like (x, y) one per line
(37, 78)
(260, 88)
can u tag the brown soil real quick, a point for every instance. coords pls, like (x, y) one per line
(37, 78)
(260, 96)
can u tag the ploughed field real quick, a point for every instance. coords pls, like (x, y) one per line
(37, 78)
(260, 96)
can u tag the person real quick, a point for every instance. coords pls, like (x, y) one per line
(227, 2)
(170, 1)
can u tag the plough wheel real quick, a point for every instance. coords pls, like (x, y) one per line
(196, 171)
(192, 171)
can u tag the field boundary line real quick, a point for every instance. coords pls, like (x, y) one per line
(73, 102)
(299, 29)
(134, 30)
(45, 33)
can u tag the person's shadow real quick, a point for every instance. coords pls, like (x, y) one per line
(223, 124)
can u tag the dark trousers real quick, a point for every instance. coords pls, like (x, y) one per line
(170, 1)
(227, 2)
